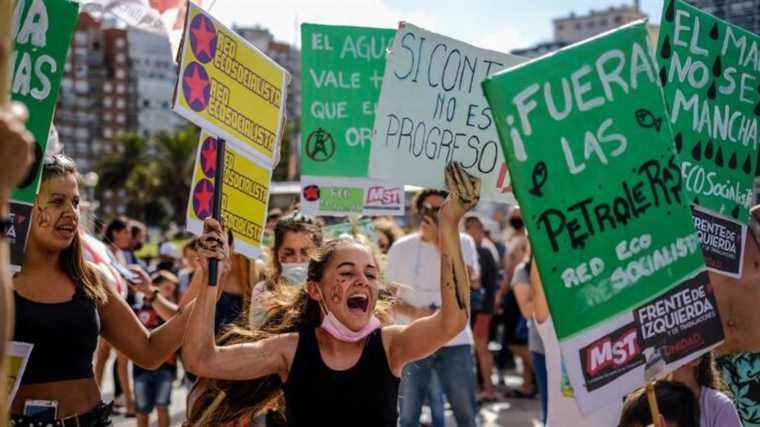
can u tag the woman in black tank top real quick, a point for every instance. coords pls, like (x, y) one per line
(63, 306)
(325, 349)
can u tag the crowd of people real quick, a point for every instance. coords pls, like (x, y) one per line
(354, 330)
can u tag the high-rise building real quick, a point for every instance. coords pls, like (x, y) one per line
(289, 57)
(744, 13)
(116, 80)
(574, 28)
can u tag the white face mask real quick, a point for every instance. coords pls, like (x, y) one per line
(295, 272)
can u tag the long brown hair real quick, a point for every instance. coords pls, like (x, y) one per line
(707, 373)
(72, 260)
(288, 310)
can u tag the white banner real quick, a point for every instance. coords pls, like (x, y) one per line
(432, 111)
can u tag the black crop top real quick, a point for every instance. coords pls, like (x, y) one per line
(64, 335)
(363, 395)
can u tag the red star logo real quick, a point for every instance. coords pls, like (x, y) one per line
(203, 195)
(203, 38)
(208, 157)
(196, 85)
(311, 193)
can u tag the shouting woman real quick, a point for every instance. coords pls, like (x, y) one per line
(334, 362)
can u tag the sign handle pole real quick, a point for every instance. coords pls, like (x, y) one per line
(653, 408)
(6, 9)
(213, 264)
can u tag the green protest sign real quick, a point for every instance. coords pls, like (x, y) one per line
(342, 71)
(709, 72)
(41, 31)
(587, 142)
(362, 226)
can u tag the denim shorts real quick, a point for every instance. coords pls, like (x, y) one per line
(153, 389)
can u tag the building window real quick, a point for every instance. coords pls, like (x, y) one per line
(120, 42)
(80, 37)
(577, 25)
(121, 74)
(107, 102)
(121, 103)
(107, 87)
(121, 119)
(120, 88)
(618, 19)
(81, 86)
(146, 103)
(590, 24)
(107, 117)
(107, 132)
(121, 58)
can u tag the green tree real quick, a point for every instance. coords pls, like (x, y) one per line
(174, 162)
(155, 174)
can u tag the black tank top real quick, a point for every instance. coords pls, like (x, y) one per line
(64, 335)
(364, 395)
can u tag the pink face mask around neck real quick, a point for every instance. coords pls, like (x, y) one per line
(341, 332)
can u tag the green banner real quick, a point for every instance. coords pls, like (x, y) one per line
(709, 71)
(341, 74)
(587, 141)
(41, 31)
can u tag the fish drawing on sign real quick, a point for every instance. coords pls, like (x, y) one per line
(646, 119)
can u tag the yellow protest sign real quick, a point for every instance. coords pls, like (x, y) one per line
(228, 87)
(245, 194)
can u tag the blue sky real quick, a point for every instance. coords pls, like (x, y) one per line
(499, 25)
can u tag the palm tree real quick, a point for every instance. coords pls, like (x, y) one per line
(154, 173)
(174, 160)
(115, 168)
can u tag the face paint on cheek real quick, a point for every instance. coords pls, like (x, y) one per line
(336, 293)
(44, 217)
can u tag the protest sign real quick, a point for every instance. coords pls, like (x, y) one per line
(228, 87)
(708, 69)
(340, 84)
(432, 110)
(363, 226)
(588, 144)
(723, 241)
(16, 359)
(41, 31)
(339, 196)
(342, 72)
(245, 194)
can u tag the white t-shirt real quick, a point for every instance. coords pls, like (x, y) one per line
(563, 410)
(717, 410)
(416, 265)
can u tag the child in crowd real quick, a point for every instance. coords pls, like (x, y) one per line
(153, 388)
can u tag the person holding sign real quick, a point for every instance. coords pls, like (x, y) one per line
(337, 365)
(62, 306)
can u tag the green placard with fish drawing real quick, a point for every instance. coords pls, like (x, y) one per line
(709, 72)
(589, 147)
(595, 173)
